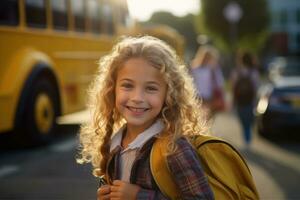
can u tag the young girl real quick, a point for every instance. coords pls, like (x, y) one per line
(143, 92)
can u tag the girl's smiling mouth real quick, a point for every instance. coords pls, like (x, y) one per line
(136, 109)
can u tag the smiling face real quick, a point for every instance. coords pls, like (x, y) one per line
(140, 93)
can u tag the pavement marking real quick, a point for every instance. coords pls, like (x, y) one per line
(266, 186)
(8, 169)
(64, 146)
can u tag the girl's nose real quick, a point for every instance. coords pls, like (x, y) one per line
(137, 96)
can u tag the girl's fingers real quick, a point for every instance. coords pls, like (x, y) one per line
(117, 182)
(114, 188)
(104, 189)
(116, 185)
(114, 195)
(104, 197)
(103, 193)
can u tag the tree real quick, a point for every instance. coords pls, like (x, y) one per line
(252, 29)
(184, 25)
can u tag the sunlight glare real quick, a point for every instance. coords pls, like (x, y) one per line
(143, 9)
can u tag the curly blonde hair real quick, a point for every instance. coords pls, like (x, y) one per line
(181, 113)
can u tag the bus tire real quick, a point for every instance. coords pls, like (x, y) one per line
(38, 121)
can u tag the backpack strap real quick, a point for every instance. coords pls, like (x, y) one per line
(160, 170)
(159, 166)
(199, 141)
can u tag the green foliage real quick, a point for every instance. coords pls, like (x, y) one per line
(251, 30)
(254, 43)
(184, 25)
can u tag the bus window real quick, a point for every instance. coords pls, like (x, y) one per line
(107, 18)
(35, 13)
(78, 11)
(93, 14)
(59, 14)
(123, 16)
(9, 12)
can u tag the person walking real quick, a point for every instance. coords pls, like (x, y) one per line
(208, 79)
(245, 81)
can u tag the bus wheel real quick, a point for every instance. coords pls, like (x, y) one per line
(41, 110)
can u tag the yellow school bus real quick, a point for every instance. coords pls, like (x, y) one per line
(48, 54)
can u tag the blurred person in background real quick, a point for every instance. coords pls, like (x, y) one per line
(245, 81)
(208, 79)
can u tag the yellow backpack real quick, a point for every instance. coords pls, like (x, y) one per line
(226, 170)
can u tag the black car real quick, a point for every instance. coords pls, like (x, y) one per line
(278, 107)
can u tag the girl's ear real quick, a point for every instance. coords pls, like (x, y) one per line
(164, 109)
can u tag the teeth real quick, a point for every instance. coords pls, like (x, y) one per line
(137, 109)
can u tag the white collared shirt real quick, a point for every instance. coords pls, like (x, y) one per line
(128, 155)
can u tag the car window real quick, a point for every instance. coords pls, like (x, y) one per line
(292, 69)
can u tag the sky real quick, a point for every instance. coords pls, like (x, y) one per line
(143, 9)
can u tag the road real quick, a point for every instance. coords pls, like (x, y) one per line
(51, 172)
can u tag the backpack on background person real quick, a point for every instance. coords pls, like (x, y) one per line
(244, 90)
(226, 170)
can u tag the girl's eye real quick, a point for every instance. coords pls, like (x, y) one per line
(126, 85)
(151, 88)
